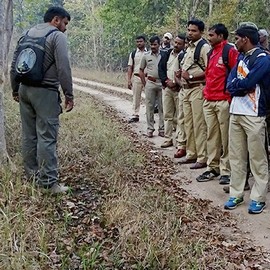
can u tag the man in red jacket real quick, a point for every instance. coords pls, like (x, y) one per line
(222, 58)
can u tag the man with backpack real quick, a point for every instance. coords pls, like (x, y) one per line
(193, 81)
(167, 68)
(134, 80)
(35, 86)
(221, 59)
(248, 84)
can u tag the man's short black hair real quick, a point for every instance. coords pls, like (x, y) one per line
(198, 23)
(220, 29)
(141, 37)
(181, 36)
(154, 38)
(250, 32)
(55, 11)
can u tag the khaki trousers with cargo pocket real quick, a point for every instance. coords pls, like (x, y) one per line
(181, 138)
(137, 88)
(170, 110)
(195, 126)
(153, 93)
(247, 136)
(216, 114)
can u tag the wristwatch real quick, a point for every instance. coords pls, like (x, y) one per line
(191, 76)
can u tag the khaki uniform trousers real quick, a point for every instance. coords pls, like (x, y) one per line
(247, 135)
(195, 126)
(170, 109)
(181, 138)
(216, 114)
(153, 93)
(137, 88)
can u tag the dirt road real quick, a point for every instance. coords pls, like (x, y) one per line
(256, 227)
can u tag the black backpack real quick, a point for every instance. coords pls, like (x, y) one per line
(225, 60)
(197, 53)
(225, 56)
(251, 62)
(29, 64)
(133, 55)
(181, 57)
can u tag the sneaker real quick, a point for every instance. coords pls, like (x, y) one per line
(207, 176)
(233, 202)
(224, 180)
(256, 207)
(167, 144)
(58, 188)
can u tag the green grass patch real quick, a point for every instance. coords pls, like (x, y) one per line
(124, 211)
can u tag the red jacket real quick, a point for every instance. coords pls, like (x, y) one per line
(215, 74)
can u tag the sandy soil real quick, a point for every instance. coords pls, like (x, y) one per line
(256, 227)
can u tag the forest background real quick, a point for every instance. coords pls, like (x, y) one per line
(102, 32)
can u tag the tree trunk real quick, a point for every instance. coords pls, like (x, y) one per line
(210, 7)
(6, 21)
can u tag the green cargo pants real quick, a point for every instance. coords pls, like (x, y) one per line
(40, 109)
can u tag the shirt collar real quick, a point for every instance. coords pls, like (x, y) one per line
(158, 53)
(250, 51)
(221, 44)
(195, 43)
(138, 50)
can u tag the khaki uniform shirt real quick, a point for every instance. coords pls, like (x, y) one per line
(188, 60)
(172, 65)
(150, 62)
(137, 60)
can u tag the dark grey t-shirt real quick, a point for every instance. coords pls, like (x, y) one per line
(56, 58)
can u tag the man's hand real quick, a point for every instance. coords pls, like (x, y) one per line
(170, 83)
(69, 104)
(129, 84)
(185, 75)
(178, 73)
(16, 97)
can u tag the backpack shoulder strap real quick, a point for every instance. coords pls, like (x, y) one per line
(254, 56)
(209, 54)
(225, 56)
(133, 56)
(225, 60)
(181, 56)
(197, 53)
(51, 31)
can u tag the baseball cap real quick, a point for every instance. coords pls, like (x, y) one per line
(263, 32)
(244, 25)
(248, 24)
(168, 35)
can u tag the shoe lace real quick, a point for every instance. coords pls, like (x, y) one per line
(255, 203)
